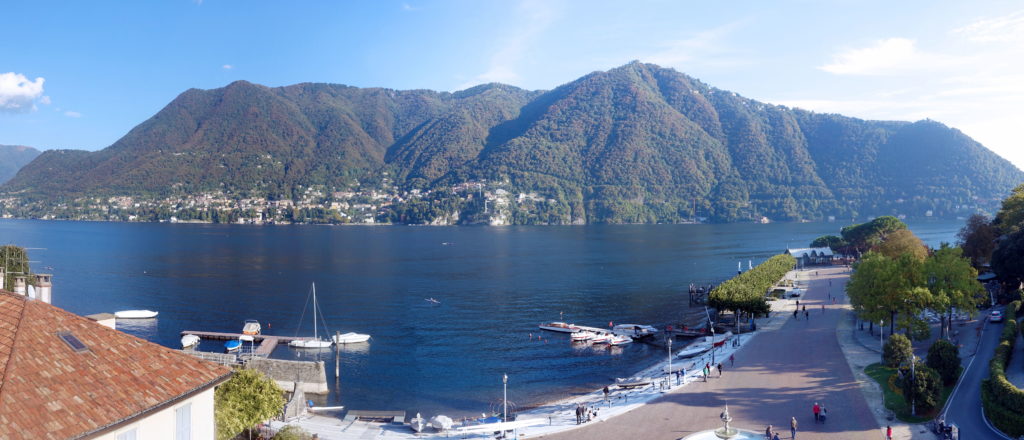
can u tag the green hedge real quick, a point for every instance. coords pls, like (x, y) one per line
(746, 291)
(1004, 402)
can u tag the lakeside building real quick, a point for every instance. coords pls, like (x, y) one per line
(812, 256)
(63, 376)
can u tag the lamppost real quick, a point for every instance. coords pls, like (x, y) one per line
(670, 361)
(710, 324)
(913, 385)
(881, 334)
(504, 401)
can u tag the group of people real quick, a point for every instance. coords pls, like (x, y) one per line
(584, 414)
(707, 370)
(820, 412)
(771, 434)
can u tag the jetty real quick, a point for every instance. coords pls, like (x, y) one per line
(267, 343)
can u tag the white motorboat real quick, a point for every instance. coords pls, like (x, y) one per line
(441, 423)
(189, 341)
(581, 336)
(601, 338)
(418, 423)
(620, 340)
(135, 314)
(315, 342)
(693, 350)
(350, 338)
(558, 326)
(251, 327)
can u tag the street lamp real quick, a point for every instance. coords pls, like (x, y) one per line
(708, 314)
(504, 381)
(670, 361)
(881, 334)
(913, 385)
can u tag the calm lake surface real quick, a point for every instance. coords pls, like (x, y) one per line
(495, 285)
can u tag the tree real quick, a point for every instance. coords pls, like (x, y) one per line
(1007, 257)
(902, 242)
(14, 260)
(867, 235)
(944, 357)
(246, 399)
(882, 287)
(896, 351)
(978, 239)
(953, 284)
(1010, 217)
(921, 386)
(830, 241)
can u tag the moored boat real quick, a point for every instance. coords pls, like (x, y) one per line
(418, 423)
(601, 338)
(232, 345)
(620, 340)
(581, 336)
(350, 338)
(634, 330)
(251, 327)
(189, 341)
(135, 314)
(315, 341)
(558, 326)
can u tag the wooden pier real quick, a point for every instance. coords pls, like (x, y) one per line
(267, 343)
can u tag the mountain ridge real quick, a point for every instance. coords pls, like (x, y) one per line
(637, 143)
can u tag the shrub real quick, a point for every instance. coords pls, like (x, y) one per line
(923, 387)
(896, 351)
(246, 399)
(944, 357)
(292, 432)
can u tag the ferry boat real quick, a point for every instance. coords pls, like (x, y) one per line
(558, 326)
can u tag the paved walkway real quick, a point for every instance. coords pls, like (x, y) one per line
(779, 374)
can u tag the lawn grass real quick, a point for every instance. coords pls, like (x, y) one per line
(895, 402)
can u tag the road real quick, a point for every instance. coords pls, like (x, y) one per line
(964, 407)
(778, 375)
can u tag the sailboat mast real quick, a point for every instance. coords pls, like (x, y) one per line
(315, 337)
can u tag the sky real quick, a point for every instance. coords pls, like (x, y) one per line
(82, 74)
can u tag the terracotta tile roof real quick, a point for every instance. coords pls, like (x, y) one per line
(50, 391)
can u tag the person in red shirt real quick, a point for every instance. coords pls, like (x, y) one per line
(888, 433)
(817, 411)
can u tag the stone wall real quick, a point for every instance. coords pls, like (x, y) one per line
(309, 376)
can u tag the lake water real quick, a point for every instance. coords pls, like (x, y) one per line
(495, 285)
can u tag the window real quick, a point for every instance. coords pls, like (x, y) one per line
(183, 422)
(131, 434)
(72, 342)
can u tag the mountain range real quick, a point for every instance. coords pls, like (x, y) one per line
(638, 143)
(12, 158)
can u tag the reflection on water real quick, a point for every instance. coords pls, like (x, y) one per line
(143, 328)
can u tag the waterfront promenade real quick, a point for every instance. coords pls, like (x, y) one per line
(779, 374)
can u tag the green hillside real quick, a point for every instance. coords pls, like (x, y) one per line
(638, 143)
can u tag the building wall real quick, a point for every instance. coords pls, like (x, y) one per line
(161, 425)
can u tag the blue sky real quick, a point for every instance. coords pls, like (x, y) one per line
(81, 74)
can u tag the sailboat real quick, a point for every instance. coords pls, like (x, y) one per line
(316, 342)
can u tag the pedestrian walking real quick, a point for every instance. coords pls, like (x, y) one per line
(795, 311)
(792, 427)
(807, 315)
(719, 369)
(606, 394)
(817, 411)
(805, 308)
(768, 432)
(824, 413)
(579, 414)
(798, 304)
(888, 432)
(732, 360)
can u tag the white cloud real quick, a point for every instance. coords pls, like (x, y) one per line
(1005, 29)
(537, 15)
(409, 8)
(888, 57)
(72, 114)
(18, 94)
(227, 67)
(45, 100)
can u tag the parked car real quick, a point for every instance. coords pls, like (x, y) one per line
(995, 316)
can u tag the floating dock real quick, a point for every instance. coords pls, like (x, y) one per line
(267, 343)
